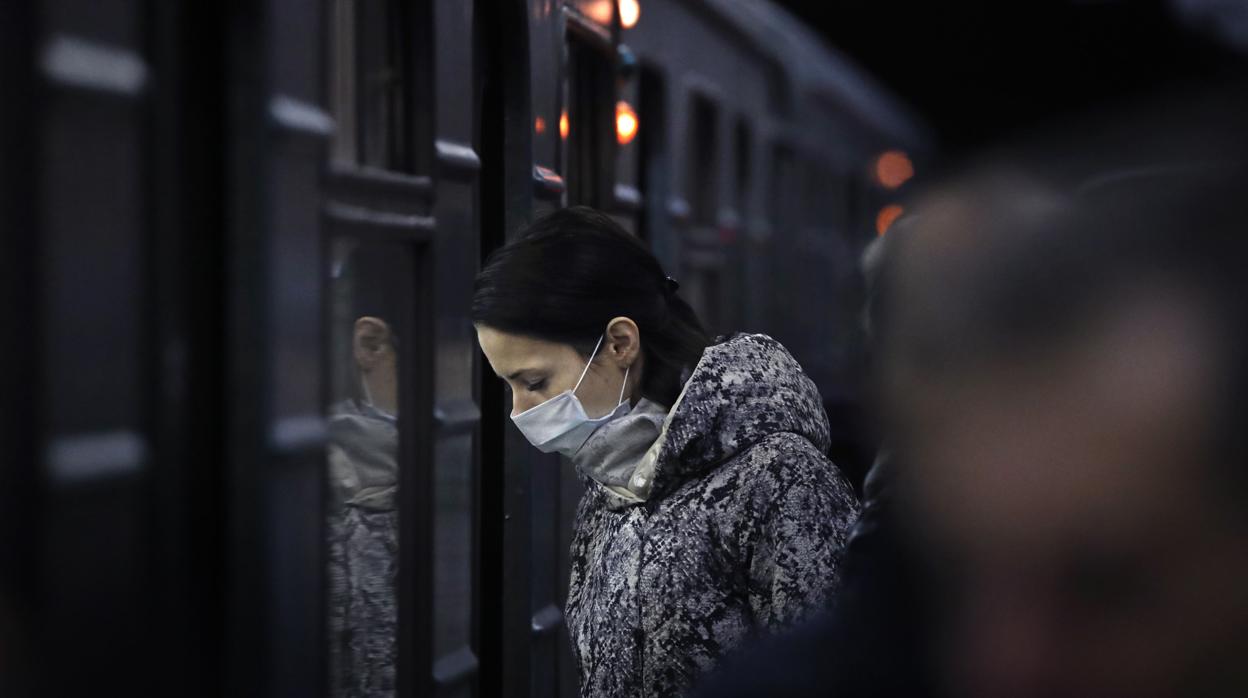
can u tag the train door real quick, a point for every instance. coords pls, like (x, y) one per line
(403, 503)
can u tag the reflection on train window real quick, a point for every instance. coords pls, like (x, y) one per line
(701, 168)
(373, 84)
(367, 300)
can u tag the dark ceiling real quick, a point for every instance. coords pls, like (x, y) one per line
(975, 71)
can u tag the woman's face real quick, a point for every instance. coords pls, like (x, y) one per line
(536, 370)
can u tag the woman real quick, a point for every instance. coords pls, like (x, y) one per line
(711, 511)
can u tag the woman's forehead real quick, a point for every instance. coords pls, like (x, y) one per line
(509, 353)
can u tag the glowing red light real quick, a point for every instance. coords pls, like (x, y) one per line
(625, 123)
(893, 169)
(886, 217)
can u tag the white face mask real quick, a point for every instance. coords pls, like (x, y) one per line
(560, 425)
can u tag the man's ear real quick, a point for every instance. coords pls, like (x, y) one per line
(371, 341)
(623, 340)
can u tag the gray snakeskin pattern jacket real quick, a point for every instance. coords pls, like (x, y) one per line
(740, 533)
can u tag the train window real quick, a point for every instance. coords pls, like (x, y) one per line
(779, 92)
(704, 291)
(827, 206)
(782, 196)
(591, 125)
(701, 170)
(369, 292)
(742, 148)
(375, 81)
(855, 189)
(653, 168)
(816, 204)
(628, 204)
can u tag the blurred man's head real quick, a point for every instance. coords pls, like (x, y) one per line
(1065, 380)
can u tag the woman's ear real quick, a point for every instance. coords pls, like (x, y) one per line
(623, 341)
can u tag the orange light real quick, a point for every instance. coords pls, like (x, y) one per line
(601, 11)
(630, 12)
(539, 125)
(886, 217)
(625, 122)
(563, 124)
(893, 169)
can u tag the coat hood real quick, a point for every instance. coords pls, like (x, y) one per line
(744, 389)
(740, 533)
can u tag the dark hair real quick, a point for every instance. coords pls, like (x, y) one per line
(573, 270)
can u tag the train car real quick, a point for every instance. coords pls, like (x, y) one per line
(239, 236)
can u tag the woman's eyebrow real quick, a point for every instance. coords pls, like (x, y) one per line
(516, 374)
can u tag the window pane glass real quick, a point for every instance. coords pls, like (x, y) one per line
(368, 297)
(591, 125)
(701, 170)
(380, 84)
(744, 163)
(701, 289)
(782, 201)
(370, 83)
(342, 80)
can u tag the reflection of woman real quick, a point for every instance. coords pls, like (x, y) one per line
(363, 482)
(711, 511)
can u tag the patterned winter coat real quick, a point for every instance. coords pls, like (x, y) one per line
(740, 531)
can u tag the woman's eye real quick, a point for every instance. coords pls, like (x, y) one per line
(534, 387)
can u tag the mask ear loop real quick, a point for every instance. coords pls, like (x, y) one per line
(587, 364)
(622, 387)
